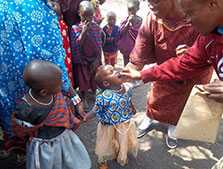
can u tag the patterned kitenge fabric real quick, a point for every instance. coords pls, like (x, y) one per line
(113, 108)
(29, 30)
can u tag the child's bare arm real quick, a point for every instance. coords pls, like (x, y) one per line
(125, 25)
(84, 33)
(90, 115)
(81, 111)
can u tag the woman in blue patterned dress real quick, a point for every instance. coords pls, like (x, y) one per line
(28, 30)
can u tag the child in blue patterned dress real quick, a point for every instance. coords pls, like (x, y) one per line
(116, 132)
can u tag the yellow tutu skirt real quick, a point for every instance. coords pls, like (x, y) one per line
(115, 142)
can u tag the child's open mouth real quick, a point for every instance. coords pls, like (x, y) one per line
(118, 74)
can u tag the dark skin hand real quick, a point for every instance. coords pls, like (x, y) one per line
(84, 32)
(89, 116)
(215, 90)
(130, 20)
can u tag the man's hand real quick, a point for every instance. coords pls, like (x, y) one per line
(130, 74)
(130, 18)
(86, 26)
(216, 90)
(129, 21)
(89, 116)
(84, 32)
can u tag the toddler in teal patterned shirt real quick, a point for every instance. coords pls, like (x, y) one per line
(116, 131)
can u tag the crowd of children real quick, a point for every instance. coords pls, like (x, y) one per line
(46, 117)
(84, 42)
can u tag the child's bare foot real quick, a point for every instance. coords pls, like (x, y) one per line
(103, 166)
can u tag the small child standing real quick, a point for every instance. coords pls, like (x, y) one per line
(116, 131)
(45, 118)
(129, 30)
(86, 46)
(110, 47)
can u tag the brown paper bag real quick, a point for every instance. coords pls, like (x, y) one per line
(200, 118)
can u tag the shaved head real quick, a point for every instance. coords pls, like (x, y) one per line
(133, 3)
(205, 15)
(86, 6)
(86, 11)
(39, 74)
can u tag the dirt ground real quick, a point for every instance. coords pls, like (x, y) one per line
(153, 152)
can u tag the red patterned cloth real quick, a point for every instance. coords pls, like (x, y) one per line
(62, 114)
(157, 42)
(66, 45)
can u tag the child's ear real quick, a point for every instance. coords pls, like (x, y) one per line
(106, 83)
(213, 4)
(43, 92)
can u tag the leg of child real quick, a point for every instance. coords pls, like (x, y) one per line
(132, 137)
(122, 138)
(110, 58)
(113, 58)
(105, 144)
(106, 57)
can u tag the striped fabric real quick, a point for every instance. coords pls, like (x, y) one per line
(62, 113)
